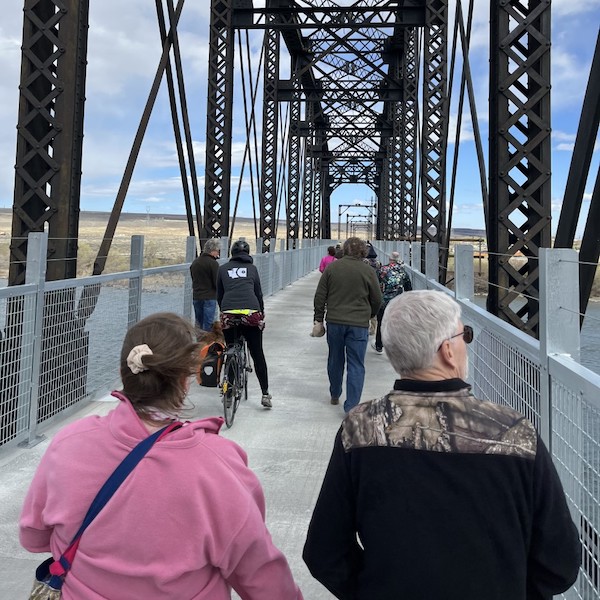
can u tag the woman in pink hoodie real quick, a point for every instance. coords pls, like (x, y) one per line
(327, 259)
(188, 522)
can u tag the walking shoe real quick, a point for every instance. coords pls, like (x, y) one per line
(378, 350)
(266, 401)
(335, 400)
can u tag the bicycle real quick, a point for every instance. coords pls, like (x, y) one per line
(235, 374)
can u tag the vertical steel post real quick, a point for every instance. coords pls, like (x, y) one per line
(435, 123)
(293, 199)
(136, 263)
(559, 320)
(270, 125)
(219, 120)
(520, 165)
(50, 134)
(190, 255)
(36, 273)
(464, 279)
(409, 151)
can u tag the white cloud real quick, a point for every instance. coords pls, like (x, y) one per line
(565, 147)
(562, 136)
(569, 78)
(562, 8)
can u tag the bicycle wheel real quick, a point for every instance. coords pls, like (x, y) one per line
(229, 388)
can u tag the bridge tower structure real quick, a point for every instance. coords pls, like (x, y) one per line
(362, 94)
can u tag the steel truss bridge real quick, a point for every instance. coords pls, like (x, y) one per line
(365, 99)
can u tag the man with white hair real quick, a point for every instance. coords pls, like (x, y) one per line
(431, 493)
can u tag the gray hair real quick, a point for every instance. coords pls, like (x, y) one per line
(211, 245)
(395, 257)
(413, 327)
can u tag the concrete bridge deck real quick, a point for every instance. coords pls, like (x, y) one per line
(288, 447)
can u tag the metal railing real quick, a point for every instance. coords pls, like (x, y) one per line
(541, 379)
(60, 342)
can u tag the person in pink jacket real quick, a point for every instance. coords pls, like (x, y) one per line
(327, 259)
(188, 522)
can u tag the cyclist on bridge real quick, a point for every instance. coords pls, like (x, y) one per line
(239, 295)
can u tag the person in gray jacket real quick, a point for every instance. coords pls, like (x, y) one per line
(349, 293)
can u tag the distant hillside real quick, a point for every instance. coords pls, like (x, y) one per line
(102, 217)
(456, 232)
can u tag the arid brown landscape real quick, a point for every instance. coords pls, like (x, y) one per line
(165, 240)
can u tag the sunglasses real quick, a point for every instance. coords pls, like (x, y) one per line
(467, 334)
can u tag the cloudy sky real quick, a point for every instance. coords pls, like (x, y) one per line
(124, 49)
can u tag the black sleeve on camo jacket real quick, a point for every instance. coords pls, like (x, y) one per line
(555, 549)
(331, 551)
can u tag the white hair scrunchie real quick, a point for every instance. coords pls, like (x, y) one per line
(134, 360)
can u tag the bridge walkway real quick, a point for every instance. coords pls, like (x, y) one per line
(288, 447)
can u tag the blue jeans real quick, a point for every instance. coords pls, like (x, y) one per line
(346, 344)
(205, 313)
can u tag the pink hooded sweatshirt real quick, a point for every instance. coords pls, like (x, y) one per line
(188, 522)
(326, 260)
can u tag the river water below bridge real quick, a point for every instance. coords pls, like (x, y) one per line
(590, 335)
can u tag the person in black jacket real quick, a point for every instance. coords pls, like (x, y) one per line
(204, 284)
(431, 493)
(239, 295)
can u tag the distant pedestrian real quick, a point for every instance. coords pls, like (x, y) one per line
(327, 259)
(204, 271)
(347, 296)
(393, 281)
(240, 296)
(371, 257)
(188, 522)
(338, 251)
(371, 260)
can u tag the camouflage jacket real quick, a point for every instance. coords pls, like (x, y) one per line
(431, 493)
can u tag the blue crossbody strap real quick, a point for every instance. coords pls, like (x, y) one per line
(106, 492)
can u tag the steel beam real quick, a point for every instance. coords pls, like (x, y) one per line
(293, 195)
(270, 125)
(407, 225)
(50, 134)
(582, 157)
(308, 179)
(520, 167)
(589, 253)
(217, 192)
(435, 122)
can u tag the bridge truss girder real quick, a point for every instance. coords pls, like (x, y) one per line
(435, 122)
(398, 191)
(520, 168)
(219, 118)
(46, 198)
(360, 127)
(50, 134)
(345, 103)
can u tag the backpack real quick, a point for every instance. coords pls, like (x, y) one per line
(393, 282)
(211, 361)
